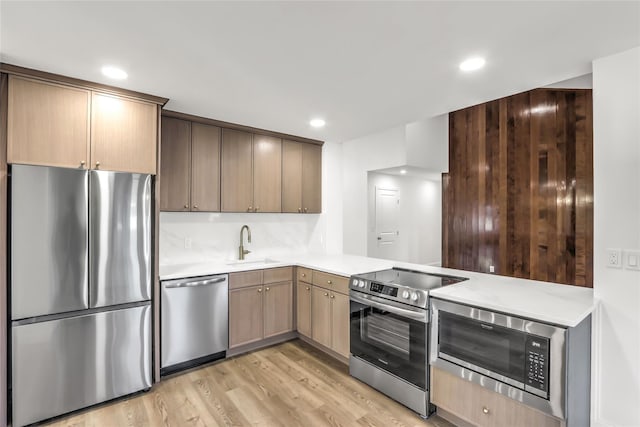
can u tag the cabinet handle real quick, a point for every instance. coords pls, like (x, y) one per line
(305, 210)
(332, 296)
(485, 410)
(326, 294)
(249, 209)
(299, 210)
(195, 206)
(82, 163)
(186, 206)
(304, 275)
(328, 282)
(259, 289)
(97, 165)
(307, 288)
(267, 289)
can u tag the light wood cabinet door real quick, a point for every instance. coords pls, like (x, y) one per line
(237, 171)
(311, 178)
(278, 308)
(321, 316)
(123, 134)
(291, 176)
(205, 168)
(303, 308)
(267, 174)
(175, 167)
(340, 323)
(48, 124)
(482, 407)
(246, 319)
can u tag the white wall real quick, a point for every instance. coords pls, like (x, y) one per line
(420, 218)
(616, 349)
(379, 151)
(216, 236)
(428, 143)
(422, 144)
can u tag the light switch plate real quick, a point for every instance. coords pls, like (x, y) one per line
(632, 260)
(614, 258)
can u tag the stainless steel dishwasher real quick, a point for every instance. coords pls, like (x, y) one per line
(194, 322)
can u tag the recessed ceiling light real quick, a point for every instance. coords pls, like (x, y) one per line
(472, 64)
(114, 72)
(403, 171)
(317, 123)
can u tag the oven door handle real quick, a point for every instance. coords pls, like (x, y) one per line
(420, 315)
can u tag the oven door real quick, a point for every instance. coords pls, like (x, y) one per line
(391, 336)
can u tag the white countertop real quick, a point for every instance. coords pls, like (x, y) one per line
(558, 304)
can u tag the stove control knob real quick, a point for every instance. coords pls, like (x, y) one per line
(414, 296)
(362, 284)
(405, 294)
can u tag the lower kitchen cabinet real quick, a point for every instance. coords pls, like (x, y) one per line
(278, 313)
(303, 308)
(481, 407)
(246, 316)
(260, 305)
(330, 313)
(321, 316)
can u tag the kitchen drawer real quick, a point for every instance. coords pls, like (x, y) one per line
(481, 407)
(280, 274)
(244, 279)
(331, 281)
(304, 274)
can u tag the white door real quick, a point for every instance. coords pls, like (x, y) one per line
(387, 222)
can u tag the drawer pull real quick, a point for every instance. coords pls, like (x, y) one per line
(485, 410)
(267, 289)
(333, 296)
(259, 289)
(304, 275)
(328, 282)
(307, 288)
(326, 294)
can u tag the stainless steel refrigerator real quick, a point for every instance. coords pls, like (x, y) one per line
(80, 289)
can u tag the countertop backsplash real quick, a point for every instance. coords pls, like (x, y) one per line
(192, 237)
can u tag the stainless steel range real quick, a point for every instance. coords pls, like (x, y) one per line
(390, 333)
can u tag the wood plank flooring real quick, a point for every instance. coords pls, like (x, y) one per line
(290, 384)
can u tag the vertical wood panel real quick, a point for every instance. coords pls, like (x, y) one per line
(519, 193)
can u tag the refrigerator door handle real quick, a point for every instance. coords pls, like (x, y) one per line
(195, 284)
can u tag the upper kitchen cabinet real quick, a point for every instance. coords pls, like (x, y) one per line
(237, 171)
(267, 174)
(124, 134)
(190, 166)
(301, 177)
(59, 121)
(175, 165)
(251, 172)
(48, 124)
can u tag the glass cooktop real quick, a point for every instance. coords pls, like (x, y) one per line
(413, 279)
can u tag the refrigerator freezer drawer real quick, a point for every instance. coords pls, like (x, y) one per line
(119, 238)
(63, 365)
(49, 221)
(194, 318)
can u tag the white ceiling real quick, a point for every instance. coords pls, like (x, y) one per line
(363, 66)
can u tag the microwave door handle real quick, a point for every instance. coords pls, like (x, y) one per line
(419, 316)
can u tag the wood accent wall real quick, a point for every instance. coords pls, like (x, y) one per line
(519, 192)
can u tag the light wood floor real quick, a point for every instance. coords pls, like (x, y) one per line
(290, 384)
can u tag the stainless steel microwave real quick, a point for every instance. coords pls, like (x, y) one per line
(523, 359)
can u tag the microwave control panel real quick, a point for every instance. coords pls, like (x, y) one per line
(537, 363)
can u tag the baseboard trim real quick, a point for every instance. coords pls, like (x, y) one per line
(287, 336)
(340, 358)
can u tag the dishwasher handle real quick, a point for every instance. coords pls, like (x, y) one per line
(195, 284)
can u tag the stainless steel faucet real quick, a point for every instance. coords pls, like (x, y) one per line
(241, 250)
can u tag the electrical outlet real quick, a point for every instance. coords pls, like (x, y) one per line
(187, 243)
(614, 258)
(492, 269)
(632, 260)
